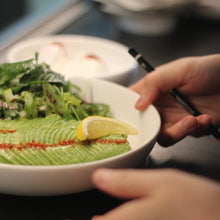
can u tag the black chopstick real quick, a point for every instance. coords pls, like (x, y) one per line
(174, 92)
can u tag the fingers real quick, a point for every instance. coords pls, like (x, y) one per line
(126, 183)
(189, 125)
(146, 98)
(111, 182)
(148, 91)
(170, 135)
(137, 87)
(141, 185)
(147, 95)
(163, 79)
(164, 195)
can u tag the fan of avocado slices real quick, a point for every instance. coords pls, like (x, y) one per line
(39, 115)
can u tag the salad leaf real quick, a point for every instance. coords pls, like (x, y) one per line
(30, 106)
(54, 100)
(9, 71)
(41, 74)
(9, 95)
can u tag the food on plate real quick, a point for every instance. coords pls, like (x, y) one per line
(40, 113)
(54, 54)
(60, 59)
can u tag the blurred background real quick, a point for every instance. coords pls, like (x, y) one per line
(161, 30)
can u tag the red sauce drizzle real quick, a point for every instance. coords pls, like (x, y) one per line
(7, 131)
(111, 141)
(37, 145)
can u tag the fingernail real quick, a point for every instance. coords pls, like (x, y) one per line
(206, 121)
(102, 177)
(141, 102)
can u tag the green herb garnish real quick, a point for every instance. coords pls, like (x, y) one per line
(31, 90)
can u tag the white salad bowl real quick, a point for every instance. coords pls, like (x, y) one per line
(66, 179)
(77, 55)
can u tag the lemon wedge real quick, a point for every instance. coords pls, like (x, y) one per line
(94, 127)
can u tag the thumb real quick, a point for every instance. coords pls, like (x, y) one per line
(147, 96)
(126, 183)
(161, 80)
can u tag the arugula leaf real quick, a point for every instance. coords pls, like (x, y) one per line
(41, 74)
(55, 102)
(9, 71)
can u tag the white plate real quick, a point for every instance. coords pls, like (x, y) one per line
(65, 179)
(66, 55)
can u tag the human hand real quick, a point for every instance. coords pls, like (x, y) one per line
(198, 78)
(159, 194)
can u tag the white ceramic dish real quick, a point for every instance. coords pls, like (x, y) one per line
(147, 17)
(76, 55)
(66, 179)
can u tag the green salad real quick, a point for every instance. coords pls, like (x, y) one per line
(31, 90)
(39, 115)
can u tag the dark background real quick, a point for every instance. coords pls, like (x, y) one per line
(193, 36)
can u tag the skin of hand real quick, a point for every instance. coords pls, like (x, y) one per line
(198, 78)
(159, 195)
